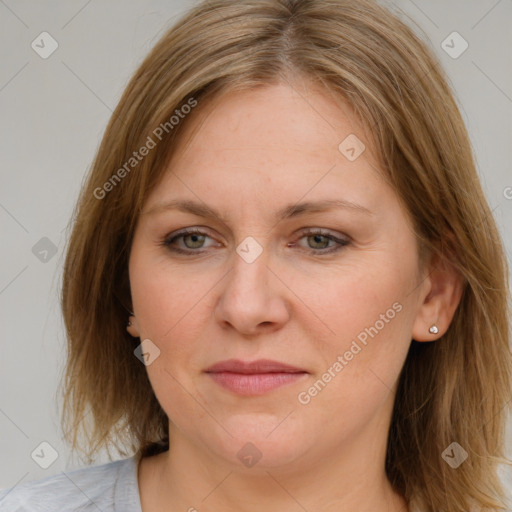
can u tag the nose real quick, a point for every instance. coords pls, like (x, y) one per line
(254, 299)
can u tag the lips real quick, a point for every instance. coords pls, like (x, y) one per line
(253, 367)
(254, 377)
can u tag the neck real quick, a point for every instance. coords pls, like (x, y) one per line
(350, 478)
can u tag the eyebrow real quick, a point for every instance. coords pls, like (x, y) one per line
(292, 210)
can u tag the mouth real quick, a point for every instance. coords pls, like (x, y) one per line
(254, 377)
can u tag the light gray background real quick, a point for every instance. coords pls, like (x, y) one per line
(54, 112)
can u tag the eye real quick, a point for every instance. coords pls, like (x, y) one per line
(318, 240)
(193, 238)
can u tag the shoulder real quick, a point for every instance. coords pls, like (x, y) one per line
(109, 487)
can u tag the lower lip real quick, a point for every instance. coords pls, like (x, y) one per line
(256, 383)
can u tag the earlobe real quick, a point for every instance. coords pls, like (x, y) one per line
(131, 326)
(442, 293)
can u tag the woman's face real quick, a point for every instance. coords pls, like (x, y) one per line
(330, 287)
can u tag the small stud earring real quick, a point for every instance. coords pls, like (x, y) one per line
(433, 329)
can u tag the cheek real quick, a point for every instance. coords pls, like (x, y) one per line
(164, 297)
(365, 315)
(171, 305)
(362, 360)
(167, 306)
(353, 296)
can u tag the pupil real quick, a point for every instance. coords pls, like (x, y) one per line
(318, 238)
(194, 237)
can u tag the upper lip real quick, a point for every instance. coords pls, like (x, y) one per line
(253, 367)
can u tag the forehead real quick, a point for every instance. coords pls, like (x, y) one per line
(273, 118)
(284, 141)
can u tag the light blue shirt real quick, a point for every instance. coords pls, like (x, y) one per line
(111, 487)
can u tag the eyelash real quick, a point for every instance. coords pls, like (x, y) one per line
(191, 231)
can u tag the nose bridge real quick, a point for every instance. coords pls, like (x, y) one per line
(249, 299)
(250, 262)
(250, 249)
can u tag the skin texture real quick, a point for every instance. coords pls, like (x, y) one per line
(256, 152)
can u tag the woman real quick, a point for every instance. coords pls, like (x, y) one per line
(284, 288)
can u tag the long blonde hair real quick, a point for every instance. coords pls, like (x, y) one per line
(455, 389)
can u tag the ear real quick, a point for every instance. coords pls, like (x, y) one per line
(133, 327)
(441, 294)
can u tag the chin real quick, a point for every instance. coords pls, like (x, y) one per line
(260, 444)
